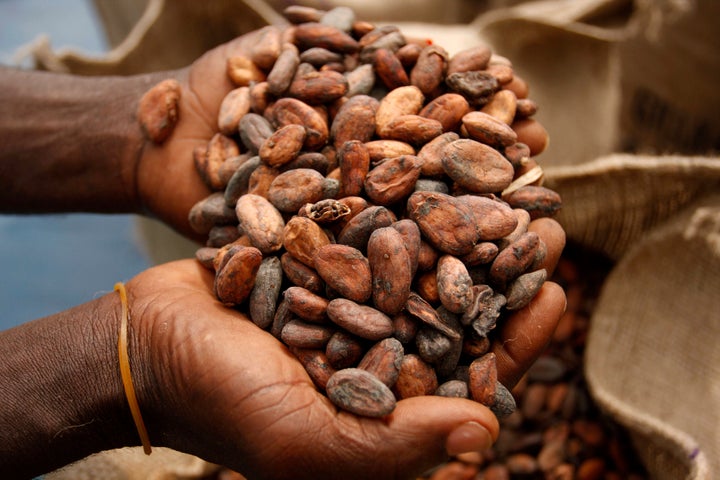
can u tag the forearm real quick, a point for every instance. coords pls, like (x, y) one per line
(69, 143)
(61, 395)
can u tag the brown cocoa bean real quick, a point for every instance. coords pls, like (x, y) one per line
(483, 379)
(495, 218)
(283, 145)
(361, 320)
(301, 14)
(357, 230)
(476, 86)
(476, 167)
(524, 288)
(288, 111)
(346, 270)
(300, 274)
(429, 70)
(470, 59)
(355, 120)
(430, 155)
(423, 311)
(514, 260)
(416, 378)
(235, 280)
(383, 360)
(260, 180)
(532, 133)
(447, 223)
(448, 109)
(265, 51)
(453, 284)
(407, 100)
(233, 107)
(254, 130)
(243, 71)
(381, 149)
(390, 69)
(219, 149)
(209, 212)
(316, 88)
(300, 334)
(361, 80)
(261, 222)
(411, 239)
(412, 129)
(283, 70)
(306, 304)
(537, 201)
(265, 293)
(292, 189)
(431, 344)
(158, 110)
(392, 180)
(481, 254)
(344, 350)
(303, 238)
(391, 268)
(360, 392)
(316, 364)
(502, 106)
(311, 34)
(354, 162)
(405, 327)
(453, 389)
(488, 129)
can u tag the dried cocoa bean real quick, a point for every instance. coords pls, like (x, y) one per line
(302, 238)
(261, 222)
(158, 110)
(346, 270)
(360, 392)
(361, 320)
(391, 268)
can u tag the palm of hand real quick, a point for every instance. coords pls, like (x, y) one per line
(227, 391)
(168, 183)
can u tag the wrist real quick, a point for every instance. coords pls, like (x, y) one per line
(62, 395)
(70, 143)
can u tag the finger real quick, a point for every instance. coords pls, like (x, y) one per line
(421, 433)
(553, 235)
(527, 332)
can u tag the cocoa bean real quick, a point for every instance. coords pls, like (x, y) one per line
(158, 110)
(261, 222)
(361, 320)
(360, 392)
(391, 269)
(346, 270)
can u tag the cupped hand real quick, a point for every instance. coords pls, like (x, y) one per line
(217, 386)
(167, 181)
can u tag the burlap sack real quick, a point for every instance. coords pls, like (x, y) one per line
(612, 77)
(652, 358)
(133, 464)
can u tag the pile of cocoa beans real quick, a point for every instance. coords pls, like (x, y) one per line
(557, 432)
(370, 207)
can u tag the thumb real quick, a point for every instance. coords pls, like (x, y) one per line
(426, 431)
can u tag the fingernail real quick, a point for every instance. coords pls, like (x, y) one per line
(468, 437)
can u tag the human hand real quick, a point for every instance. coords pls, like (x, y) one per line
(215, 385)
(167, 182)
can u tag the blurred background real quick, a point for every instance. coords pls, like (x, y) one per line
(49, 263)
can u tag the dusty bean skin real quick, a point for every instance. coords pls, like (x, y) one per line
(394, 221)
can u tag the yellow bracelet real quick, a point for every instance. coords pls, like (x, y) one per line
(125, 371)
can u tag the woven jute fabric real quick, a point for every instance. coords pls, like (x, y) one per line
(652, 358)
